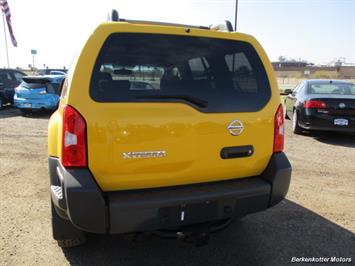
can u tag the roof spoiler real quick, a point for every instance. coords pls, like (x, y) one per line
(36, 79)
(227, 26)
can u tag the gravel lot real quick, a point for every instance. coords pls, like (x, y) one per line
(317, 219)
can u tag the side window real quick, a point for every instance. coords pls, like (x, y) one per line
(18, 76)
(198, 68)
(301, 88)
(297, 89)
(51, 88)
(242, 73)
(138, 77)
(5, 77)
(352, 89)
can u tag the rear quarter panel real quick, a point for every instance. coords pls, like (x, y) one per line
(54, 134)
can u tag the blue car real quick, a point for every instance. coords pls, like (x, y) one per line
(38, 93)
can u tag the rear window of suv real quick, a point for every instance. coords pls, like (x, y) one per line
(209, 74)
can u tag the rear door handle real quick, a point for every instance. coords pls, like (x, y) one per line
(237, 152)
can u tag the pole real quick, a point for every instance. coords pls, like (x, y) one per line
(33, 61)
(236, 15)
(235, 29)
(7, 50)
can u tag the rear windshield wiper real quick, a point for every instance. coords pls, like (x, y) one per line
(195, 101)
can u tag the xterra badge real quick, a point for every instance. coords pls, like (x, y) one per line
(143, 154)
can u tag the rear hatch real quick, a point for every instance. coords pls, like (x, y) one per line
(339, 105)
(163, 107)
(335, 103)
(338, 97)
(37, 87)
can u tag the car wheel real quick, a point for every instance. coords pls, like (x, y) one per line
(295, 126)
(64, 232)
(25, 111)
(69, 243)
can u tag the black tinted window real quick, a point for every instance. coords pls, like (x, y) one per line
(50, 87)
(5, 76)
(198, 67)
(53, 88)
(30, 85)
(212, 75)
(18, 76)
(331, 88)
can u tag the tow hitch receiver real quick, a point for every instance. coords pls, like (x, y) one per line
(198, 234)
(198, 238)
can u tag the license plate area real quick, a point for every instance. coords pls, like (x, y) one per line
(186, 214)
(341, 122)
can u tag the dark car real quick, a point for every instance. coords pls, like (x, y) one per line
(51, 71)
(9, 80)
(321, 105)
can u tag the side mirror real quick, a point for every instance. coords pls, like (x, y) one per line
(287, 92)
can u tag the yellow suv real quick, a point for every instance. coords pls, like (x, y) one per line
(163, 127)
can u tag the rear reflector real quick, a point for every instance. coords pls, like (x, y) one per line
(315, 104)
(73, 138)
(279, 133)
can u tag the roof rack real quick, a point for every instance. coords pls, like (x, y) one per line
(114, 17)
(163, 24)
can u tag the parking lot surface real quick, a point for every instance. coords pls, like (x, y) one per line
(316, 220)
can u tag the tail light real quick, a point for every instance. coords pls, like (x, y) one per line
(315, 104)
(73, 138)
(279, 131)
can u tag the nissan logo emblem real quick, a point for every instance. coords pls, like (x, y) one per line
(342, 105)
(235, 128)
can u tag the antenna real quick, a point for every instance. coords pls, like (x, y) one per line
(236, 15)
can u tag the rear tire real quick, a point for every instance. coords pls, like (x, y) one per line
(64, 232)
(295, 126)
(25, 111)
(69, 243)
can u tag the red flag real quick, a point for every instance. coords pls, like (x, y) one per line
(6, 9)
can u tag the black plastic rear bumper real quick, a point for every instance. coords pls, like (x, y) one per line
(77, 197)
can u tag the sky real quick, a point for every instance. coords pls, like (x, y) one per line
(318, 31)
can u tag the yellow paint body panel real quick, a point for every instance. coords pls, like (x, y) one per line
(192, 139)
